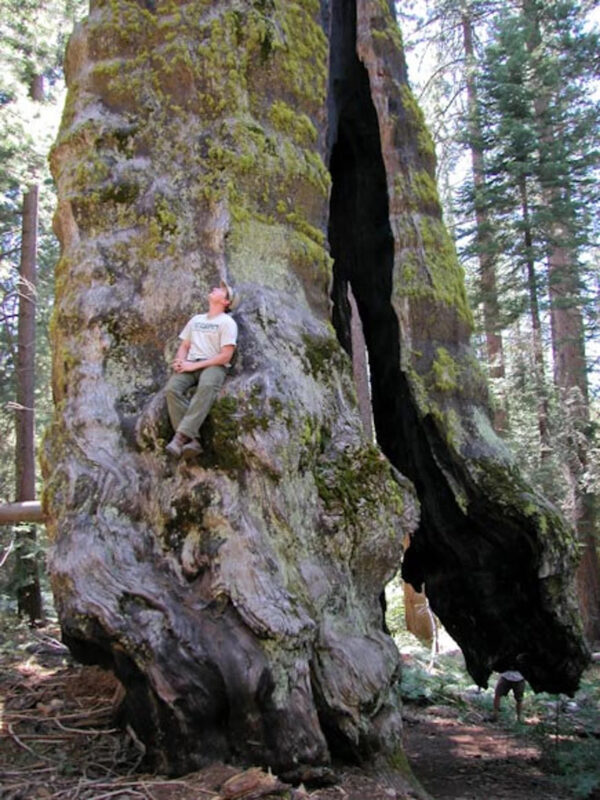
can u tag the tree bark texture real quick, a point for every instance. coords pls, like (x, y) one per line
(29, 596)
(25, 452)
(238, 599)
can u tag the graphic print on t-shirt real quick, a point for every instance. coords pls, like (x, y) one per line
(208, 335)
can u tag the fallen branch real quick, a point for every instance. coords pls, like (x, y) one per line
(8, 551)
(83, 731)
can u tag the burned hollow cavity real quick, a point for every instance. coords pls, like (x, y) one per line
(479, 563)
(362, 246)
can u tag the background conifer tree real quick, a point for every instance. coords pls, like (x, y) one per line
(526, 99)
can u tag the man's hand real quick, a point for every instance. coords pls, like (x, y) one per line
(220, 360)
(180, 357)
(181, 365)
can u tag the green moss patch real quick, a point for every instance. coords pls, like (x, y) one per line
(323, 354)
(445, 371)
(358, 482)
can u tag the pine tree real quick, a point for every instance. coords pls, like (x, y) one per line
(540, 150)
(485, 253)
(527, 218)
(559, 50)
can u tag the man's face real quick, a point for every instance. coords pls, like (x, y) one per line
(219, 294)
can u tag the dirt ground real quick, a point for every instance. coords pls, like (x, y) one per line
(57, 742)
(480, 760)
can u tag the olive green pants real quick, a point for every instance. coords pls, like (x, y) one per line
(187, 413)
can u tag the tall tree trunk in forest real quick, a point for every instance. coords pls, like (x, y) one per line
(417, 616)
(568, 336)
(237, 598)
(28, 582)
(536, 325)
(29, 596)
(487, 267)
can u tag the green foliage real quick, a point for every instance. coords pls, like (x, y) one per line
(576, 763)
(425, 681)
(541, 148)
(444, 683)
(537, 126)
(567, 731)
(394, 615)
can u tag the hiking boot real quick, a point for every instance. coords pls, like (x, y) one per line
(175, 446)
(192, 449)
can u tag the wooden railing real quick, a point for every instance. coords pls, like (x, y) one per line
(27, 511)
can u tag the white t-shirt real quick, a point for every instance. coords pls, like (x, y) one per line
(208, 335)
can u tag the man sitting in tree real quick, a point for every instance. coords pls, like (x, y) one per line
(208, 342)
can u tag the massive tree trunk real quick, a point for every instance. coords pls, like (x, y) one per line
(238, 599)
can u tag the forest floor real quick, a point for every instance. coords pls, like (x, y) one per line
(58, 740)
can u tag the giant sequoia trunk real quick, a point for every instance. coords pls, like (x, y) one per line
(238, 599)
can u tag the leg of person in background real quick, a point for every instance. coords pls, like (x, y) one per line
(519, 691)
(496, 710)
(503, 687)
